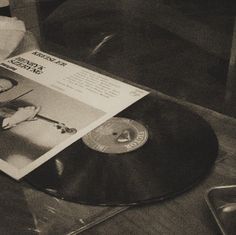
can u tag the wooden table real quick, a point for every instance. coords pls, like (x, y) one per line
(185, 214)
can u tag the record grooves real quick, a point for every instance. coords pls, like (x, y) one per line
(180, 149)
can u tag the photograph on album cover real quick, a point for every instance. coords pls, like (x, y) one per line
(34, 119)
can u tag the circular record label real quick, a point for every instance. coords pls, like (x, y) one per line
(117, 135)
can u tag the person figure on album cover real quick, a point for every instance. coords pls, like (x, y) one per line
(7, 83)
(21, 114)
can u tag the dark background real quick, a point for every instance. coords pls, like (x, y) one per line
(181, 48)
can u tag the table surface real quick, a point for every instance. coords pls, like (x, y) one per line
(185, 214)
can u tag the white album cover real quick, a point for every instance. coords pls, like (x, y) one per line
(47, 103)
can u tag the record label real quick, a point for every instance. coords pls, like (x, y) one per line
(117, 135)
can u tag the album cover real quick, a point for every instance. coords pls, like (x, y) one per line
(47, 103)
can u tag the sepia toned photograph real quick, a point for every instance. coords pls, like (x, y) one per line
(81, 153)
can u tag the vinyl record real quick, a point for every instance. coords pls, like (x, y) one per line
(153, 150)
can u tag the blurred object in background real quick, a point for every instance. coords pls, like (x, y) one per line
(179, 47)
(4, 8)
(12, 32)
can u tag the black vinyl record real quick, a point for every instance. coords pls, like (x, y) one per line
(176, 150)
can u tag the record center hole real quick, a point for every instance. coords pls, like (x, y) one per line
(114, 133)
